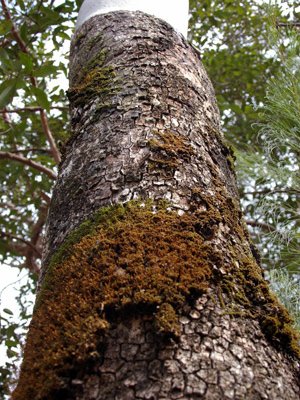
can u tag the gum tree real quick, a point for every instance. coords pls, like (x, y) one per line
(151, 287)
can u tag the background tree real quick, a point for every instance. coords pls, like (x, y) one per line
(32, 110)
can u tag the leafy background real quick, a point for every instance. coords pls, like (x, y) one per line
(251, 52)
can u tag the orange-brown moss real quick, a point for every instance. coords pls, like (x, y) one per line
(166, 320)
(133, 257)
(141, 258)
(169, 149)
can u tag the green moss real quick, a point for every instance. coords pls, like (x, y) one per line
(95, 40)
(144, 259)
(79, 37)
(228, 151)
(97, 80)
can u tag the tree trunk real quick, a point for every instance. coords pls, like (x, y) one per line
(151, 288)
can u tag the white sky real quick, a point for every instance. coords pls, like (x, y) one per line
(11, 281)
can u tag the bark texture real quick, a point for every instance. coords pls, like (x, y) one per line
(151, 300)
(150, 81)
(216, 358)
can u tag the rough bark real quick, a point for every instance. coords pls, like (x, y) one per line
(161, 299)
(152, 82)
(217, 357)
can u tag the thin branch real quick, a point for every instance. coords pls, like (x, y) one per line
(288, 24)
(30, 109)
(261, 225)
(49, 136)
(44, 120)
(26, 250)
(8, 205)
(2, 291)
(269, 191)
(36, 237)
(30, 163)
(14, 30)
(46, 198)
(4, 43)
(6, 117)
(29, 150)
(10, 236)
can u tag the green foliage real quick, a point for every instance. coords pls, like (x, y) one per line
(232, 38)
(29, 81)
(13, 327)
(287, 289)
(272, 175)
(25, 86)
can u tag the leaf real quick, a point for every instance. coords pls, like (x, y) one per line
(10, 353)
(7, 92)
(45, 70)
(41, 97)
(5, 27)
(21, 4)
(27, 61)
(64, 35)
(11, 343)
(79, 3)
(7, 311)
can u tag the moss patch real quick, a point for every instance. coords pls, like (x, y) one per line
(145, 259)
(169, 149)
(97, 80)
(132, 258)
(251, 297)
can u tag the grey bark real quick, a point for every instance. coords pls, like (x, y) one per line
(216, 358)
(159, 85)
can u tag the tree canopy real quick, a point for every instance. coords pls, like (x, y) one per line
(241, 56)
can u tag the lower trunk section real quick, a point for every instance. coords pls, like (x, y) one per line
(217, 357)
(141, 302)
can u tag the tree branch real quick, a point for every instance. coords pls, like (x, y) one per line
(294, 24)
(14, 31)
(6, 117)
(49, 136)
(44, 120)
(10, 236)
(36, 235)
(262, 225)
(29, 150)
(46, 198)
(4, 43)
(269, 191)
(30, 163)
(30, 109)
(31, 250)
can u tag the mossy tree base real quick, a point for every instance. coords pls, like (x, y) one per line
(144, 259)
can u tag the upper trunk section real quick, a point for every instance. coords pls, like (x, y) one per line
(144, 122)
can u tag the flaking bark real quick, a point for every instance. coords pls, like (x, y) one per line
(150, 82)
(154, 300)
